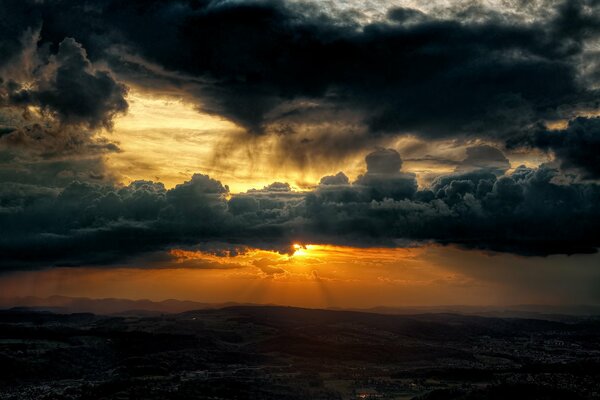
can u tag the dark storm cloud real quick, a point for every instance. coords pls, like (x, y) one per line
(272, 67)
(466, 72)
(90, 223)
(54, 173)
(338, 179)
(70, 90)
(528, 212)
(53, 99)
(383, 161)
(434, 77)
(577, 146)
(57, 141)
(484, 157)
(383, 178)
(16, 19)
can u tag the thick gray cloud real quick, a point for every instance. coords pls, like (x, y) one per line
(528, 212)
(52, 102)
(436, 77)
(383, 178)
(484, 157)
(383, 161)
(270, 67)
(577, 146)
(338, 179)
(62, 142)
(69, 89)
(266, 65)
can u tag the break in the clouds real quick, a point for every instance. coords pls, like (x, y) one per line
(518, 80)
(528, 211)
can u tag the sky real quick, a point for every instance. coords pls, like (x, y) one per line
(309, 153)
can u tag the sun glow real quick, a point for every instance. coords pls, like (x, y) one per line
(301, 250)
(301, 259)
(325, 275)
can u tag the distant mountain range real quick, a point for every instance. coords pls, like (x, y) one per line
(111, 306)
(64, 304)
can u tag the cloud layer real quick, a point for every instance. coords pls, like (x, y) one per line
(468, 71)
(529, 212)
(324, 83)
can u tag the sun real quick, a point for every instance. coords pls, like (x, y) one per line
(299, 250)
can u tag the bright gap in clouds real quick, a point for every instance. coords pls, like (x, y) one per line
(164, 138)
(167, 139)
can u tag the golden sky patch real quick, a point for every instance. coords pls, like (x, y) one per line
(324, 275)
(165, 138)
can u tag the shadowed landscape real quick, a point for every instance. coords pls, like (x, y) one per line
(270, 352)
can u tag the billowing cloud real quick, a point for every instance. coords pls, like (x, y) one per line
(468, 71)
(337, 87)
(484, 157)
(70, 90)
(338, 179)
(383, 178)
(383, 161)
(577, 146)
(53, 103)
(529, 211)
(437, 77)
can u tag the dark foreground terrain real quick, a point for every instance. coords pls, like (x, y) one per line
(290, 353)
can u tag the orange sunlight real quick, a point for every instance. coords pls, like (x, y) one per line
(316, 275)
